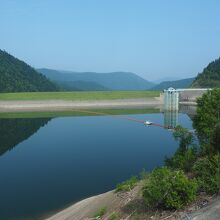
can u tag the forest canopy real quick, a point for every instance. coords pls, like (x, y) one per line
(17, 76)
(210, 77)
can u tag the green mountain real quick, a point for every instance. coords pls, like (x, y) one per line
(106, 81)
(80, 86)
(182, 83)
(210, 77)
(17, 76)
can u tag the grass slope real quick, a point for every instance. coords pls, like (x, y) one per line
(80, 86)
(77, 96)
(77, 113)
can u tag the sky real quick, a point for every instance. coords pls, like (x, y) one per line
(153, 38)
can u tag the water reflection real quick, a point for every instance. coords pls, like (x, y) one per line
(171, 116)
(15, 130)
(170, 119)
(56, 166)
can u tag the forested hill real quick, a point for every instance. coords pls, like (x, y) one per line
(100, 81)
(182, 83)
(17, 76)
(210, 77)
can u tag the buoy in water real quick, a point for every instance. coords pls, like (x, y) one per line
(148, 123)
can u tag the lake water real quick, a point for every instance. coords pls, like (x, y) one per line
(47, 164)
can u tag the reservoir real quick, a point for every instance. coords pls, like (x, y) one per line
(48, 163)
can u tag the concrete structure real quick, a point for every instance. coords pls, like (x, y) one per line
(172, 97)
(190, 95)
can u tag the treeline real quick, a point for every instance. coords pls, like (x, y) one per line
(210, 77)
(17, 76)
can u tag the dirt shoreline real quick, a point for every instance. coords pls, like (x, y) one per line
(60, 105)
(85, 209)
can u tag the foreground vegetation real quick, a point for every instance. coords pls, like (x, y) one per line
(78, 96)
(201, 162)
(192, 171)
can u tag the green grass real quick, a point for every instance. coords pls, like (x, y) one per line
(127, 185)
(101, 95)
(76, 113)
(113, 216)
(100, 212)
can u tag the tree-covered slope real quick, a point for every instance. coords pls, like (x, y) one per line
(17, 76)
(110, 81)
(182, 83)
(210, 77)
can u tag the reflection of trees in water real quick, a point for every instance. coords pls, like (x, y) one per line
(190, 110)
(14, 131)
(170, 119)
(171, 116)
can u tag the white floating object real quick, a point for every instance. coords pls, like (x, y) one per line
(148, 123)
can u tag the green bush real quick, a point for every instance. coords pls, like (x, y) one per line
(113, 216)
(182, 160)
(207, 122)
(207, 172)
(143, 174)
(127, 185)
(185, 138)
(171, 189)
(187, 152)
(100, 212)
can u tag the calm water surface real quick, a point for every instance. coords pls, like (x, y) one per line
(49, 163)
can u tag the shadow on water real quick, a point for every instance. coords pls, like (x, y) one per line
(14, 131)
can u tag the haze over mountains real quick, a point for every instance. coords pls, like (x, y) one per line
(103, 81)
(17, 76)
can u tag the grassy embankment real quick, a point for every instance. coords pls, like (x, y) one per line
(78, 96)
(77, 113)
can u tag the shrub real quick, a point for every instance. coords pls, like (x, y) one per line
(207, 172)
(184, 137)
(143, 174)
(171, 189)
(100, 212)
(207, 121)
(182, 160)
(127, 185)
(113, 216)
(186, 154)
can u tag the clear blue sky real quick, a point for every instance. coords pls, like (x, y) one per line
(154, 39)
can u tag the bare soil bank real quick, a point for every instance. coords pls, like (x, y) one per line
(130, 206)
(60, 105)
